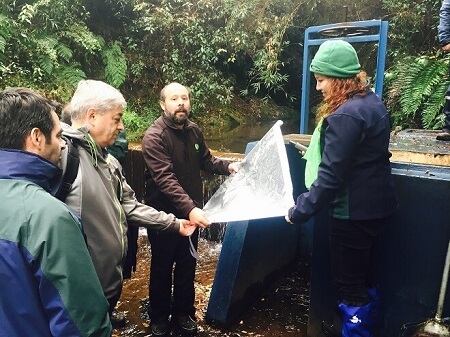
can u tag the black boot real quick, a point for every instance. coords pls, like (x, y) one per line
(187, 325)
(118, 319)
(160, 327)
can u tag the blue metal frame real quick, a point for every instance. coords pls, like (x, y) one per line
(380, 38)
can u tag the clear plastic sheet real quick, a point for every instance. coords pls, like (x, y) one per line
(262, 188)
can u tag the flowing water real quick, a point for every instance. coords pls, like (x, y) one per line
(281, 311)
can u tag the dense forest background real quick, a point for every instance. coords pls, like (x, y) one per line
(237, 56)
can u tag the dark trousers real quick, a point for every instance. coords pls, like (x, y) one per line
(169, 249)
(446, 111)
(113, 301)
(353, 251)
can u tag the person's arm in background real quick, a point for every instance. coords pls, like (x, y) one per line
(444, 26)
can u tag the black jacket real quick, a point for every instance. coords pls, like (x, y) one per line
(174, 159)
(354, 177)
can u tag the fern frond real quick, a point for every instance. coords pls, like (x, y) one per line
(115, 65)
(63, 51)
(423, 82)
(407, 73)
(71, 74)
(5, 31)
(434, 75)
(45, 45)
(411, 99)
(432, 117)
(2, 44)
(82, 36)
(45, 63)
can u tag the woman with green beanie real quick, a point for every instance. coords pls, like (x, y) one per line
(353, 179)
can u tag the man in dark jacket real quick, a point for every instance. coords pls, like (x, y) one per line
(48, 281)
(175, 153)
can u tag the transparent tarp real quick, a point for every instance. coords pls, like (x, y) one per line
(262, 188)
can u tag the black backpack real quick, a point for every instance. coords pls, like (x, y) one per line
(69, 175)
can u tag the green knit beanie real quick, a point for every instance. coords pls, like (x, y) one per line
(336, 58)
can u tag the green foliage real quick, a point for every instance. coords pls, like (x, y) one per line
(412, 26)
(222, 49)
(416, 90)
(269, 38)
(71, 74)
(207, 44)
(116, 65)
(432, 116)
(48, 46)
(5, 32)
(417, 79)
(136, 120)
(80, 35)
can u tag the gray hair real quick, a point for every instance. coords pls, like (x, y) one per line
(91, 94)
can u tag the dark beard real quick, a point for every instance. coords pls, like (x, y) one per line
(178, 121)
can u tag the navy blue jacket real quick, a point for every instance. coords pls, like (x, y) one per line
(354, 177)
(48, 284)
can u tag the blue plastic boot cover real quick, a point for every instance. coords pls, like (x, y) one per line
(357, 321)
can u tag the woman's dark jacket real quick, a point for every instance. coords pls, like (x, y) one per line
(354, 176)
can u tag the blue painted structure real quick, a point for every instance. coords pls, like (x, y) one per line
(254, 252)
(313, 37)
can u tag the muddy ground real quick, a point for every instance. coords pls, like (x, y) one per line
(281, 311)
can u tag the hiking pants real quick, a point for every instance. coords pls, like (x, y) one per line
(169, 250)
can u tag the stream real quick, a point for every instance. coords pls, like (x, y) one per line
(236, 139)
(282, 311)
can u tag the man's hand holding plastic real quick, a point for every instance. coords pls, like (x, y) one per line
(186, 227)
(198, 218)
(234, 167)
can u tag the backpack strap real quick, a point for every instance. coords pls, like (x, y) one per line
(71, 171)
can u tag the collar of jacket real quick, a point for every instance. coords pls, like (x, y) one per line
(22, 165)
(82, 135)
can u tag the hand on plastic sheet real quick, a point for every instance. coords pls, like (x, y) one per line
(186, 227)
(198, 218)
(287, 217)
(234, 167)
